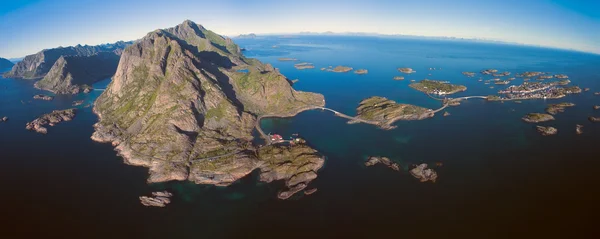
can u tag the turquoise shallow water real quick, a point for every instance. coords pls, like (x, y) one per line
(499, 176)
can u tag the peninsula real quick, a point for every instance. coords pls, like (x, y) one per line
(179, 105)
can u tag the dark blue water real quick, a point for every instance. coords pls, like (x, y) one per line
(499, 176)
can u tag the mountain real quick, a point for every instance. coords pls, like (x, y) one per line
(4, 63)
(36, 66)
(251, 35)
(72, 74)
(181, 105)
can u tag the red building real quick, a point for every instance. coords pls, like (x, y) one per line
(276, 137)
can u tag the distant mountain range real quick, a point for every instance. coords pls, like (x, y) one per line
(71, 67)
(4, 63)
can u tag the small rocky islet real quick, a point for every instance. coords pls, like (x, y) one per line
(546, 130)
(406, 70)
(361, 72)
(158, 199)
(50, 119)
(304, 65)
(43, 97)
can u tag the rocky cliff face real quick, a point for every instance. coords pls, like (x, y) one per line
(72, 74)
(4, 63)
(179, 106)
(38, 65)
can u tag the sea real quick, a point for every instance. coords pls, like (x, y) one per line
(497, 176)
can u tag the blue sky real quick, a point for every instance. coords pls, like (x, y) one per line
(28, 26)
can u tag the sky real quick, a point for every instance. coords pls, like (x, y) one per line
(28, 26)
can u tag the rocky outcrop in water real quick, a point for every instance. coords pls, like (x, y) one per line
(38, 65)
(3, 119)
(43, 97)
(546, 131)
(594, 119)
(73, 74)
(158, 199)
(579, 129)
(179, 105)
(383, 160)
(4, 63)
(423, 173)
(406, 70)
(50, 119)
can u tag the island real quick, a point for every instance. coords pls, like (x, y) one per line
(529, 74)
(537, 90)
(304, 65)
(77, 103)
(179, 106)
(489, 71)
(437, 87)
(383, 112)
(340, 69)
(546, 131)
(506, 73)
(468, 74)
(446, 113)
(50, 119)
(3, 119)
(398, 77)
(561, 76)
(406, 70)
(43, 97)
(423, 173)
(504, 82)
(554, 109)
(287, 59)
(361, 71)
(594, 119)
(596, 107)
(537, 117)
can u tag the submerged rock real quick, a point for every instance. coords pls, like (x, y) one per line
(398, 77)
(545, 131)
(310, 191)
(51, 119)
(423, 173)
